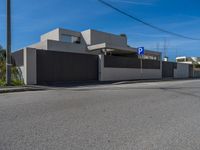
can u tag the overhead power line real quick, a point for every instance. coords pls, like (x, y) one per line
(145, 23)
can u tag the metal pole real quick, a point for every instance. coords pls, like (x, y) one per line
(8, 42)
(141, 67)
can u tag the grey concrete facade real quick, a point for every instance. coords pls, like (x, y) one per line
(91, 42)
(93, 37)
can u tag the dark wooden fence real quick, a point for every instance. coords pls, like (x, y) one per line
(127, 62)
(55, 66)
(168, 69)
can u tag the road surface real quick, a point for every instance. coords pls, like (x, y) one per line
(139, 116)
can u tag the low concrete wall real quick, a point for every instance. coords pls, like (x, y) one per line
(196, 73)
(118, 74)
(182, 71)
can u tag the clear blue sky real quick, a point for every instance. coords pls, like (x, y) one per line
(31, 18)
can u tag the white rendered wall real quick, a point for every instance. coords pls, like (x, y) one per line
(182, 71)
(86, 35)
(118, 74)
(53, 35)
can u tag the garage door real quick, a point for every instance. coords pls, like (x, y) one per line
(55, 66)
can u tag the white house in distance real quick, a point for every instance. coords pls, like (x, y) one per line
(188, 60)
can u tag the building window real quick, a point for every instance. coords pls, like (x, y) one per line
(70, 39)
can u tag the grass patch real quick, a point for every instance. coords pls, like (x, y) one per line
(13, 83)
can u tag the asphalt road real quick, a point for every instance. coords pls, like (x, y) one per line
(140, 116)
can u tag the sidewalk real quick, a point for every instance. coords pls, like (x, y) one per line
(20, 89)
(56, 86)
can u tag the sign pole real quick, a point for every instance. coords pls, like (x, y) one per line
(141, 67)
(140, 52)
(141, 64)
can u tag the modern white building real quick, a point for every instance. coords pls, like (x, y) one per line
(64, 55)
(89, 42)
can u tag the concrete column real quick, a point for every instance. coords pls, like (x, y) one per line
(101, 66)
(30, 66)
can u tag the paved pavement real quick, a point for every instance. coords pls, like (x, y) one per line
(140, 116)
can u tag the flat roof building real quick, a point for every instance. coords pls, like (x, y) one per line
(89, 42)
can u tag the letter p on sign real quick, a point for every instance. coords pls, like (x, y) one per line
(140, 51)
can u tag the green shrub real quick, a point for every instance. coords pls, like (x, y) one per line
(17, 82)
(2, 83)
(16, 76)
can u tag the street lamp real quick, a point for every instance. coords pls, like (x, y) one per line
(8, 42)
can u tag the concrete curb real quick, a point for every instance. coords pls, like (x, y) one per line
(97, 83)
(158, 80)
(20, 89)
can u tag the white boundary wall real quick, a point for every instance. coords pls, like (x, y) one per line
(182, 71)
(119, 74)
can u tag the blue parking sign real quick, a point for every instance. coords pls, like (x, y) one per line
(140, 50)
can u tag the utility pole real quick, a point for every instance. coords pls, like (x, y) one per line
(165, 50)
(8, 42)
(158, 47)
